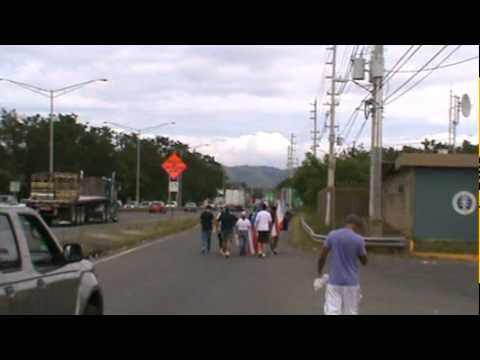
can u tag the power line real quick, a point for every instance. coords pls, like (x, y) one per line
(349, 130)
(360, 131)
(400, 65)
(357, 108)
(398, 62)
(416, 73)
(424, 77)
(441, 67)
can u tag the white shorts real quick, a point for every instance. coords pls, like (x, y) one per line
(342, 300)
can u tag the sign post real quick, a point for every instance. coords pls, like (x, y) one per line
(15, 188)
(174, 167)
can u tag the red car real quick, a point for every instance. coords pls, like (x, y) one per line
(157, 207)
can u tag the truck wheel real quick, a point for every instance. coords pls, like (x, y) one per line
(82, 216)
(91, 309)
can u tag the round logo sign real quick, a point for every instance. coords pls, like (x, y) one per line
(464, 203)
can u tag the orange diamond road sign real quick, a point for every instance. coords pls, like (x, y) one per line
(174, 166)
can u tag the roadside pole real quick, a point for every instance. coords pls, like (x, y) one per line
(330, 211)
(377, 69)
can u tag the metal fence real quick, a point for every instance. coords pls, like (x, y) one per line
(393, 241)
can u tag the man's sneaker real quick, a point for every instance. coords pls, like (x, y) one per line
(274, 252)
(227, 254)
(264, 256)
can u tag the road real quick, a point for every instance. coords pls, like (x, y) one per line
(171, 277)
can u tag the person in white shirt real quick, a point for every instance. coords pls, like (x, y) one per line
(243, 228)
(263, 226)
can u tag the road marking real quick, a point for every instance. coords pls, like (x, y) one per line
(140, 247)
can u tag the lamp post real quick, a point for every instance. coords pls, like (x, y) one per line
(138, 132)
(51, 94)
(199, 146)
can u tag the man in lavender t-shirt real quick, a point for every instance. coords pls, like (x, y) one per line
(347, 247)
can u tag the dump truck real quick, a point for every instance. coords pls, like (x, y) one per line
(71, 198)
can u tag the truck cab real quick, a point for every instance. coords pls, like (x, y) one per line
(37, 275)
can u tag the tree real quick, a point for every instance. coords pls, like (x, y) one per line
(99, 151)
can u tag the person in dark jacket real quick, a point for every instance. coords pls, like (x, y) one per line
(227, 225)
(287, 218)
(206, 221)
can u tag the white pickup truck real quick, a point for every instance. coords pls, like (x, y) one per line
(37, 275)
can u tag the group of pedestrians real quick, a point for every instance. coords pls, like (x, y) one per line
(262, 227)
(253, 231)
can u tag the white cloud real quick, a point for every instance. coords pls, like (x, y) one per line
(254, 96)
(259, 148)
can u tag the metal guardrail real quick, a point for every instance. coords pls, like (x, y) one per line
(394, 241)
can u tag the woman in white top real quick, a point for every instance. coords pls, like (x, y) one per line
(263, 225)
(243, 228)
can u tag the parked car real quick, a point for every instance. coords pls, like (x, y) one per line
(38, 276)
(157, 207)
(8, 200)
(130, 205)
(190, 207)
(171, 205)
(144, 205)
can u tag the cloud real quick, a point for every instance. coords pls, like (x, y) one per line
(260, 148)
(254, 96)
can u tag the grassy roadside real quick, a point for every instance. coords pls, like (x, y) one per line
(446, 247)
(303, 241)
(299, 239)
(101, 242)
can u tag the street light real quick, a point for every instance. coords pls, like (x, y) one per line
(138, 132)
(51, 94)
(199, 146)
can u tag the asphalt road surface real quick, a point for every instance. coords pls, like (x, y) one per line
(171, 277)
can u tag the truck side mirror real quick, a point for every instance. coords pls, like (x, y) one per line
(72, 253)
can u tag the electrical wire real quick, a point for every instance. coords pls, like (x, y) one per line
(347, 133)
(360, 131)
(416, 73)
(441, 67)
(391, 72)
(427, 75)
(396, 71)
(424, 77)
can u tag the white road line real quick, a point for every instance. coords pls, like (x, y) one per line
(140, 247)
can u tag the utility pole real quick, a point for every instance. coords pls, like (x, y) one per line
(450, 121)
(291, 155)
(330, 210)
(377, 73)
(290, 166)
(456, 119)
(315, 131)
(137, 179)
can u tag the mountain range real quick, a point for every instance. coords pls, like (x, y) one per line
(265, 177)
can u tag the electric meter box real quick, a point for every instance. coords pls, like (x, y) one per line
(358, 69)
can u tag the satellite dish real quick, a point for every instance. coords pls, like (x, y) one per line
(466, 106)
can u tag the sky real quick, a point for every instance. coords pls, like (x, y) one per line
(244, 101)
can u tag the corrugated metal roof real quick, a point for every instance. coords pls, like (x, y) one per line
(437, 160)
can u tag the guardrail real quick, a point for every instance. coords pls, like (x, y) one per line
(393, 241)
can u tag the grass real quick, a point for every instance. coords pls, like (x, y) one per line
(300, 239)
(447, 247)
(100, 242)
